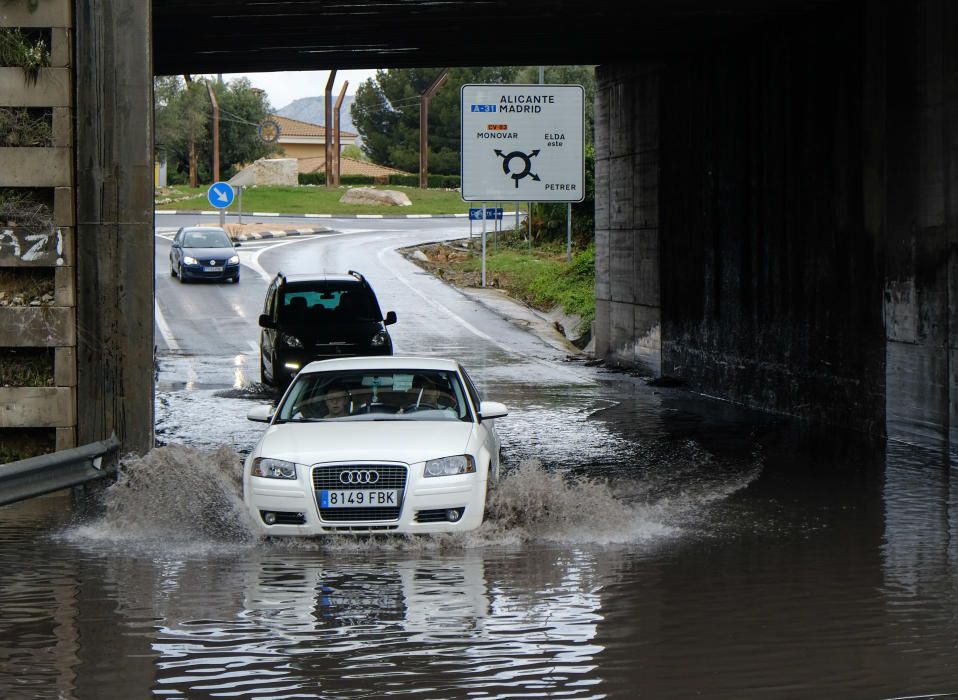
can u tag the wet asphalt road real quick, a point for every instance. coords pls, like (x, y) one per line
(645, 542)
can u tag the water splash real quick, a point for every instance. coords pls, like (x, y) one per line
(180, 496)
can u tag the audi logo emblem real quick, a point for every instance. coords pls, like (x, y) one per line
(358, 476)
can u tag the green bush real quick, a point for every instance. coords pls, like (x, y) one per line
(320, 179)
(438, 182)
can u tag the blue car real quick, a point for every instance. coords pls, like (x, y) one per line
(204, 253)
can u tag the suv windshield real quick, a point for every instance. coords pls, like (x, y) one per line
(414, 394)
(316, 302)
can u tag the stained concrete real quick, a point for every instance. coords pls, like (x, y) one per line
(774, 218)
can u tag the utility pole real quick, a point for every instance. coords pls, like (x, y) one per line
(424, 127)
(336, 135)
(328, 107)
(216, 133)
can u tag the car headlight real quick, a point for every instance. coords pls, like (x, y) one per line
(291, 341)
(273, 468)
(447, 466)
(187, 260)
(234, 260)
(379, 339)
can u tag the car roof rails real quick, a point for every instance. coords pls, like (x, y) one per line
(357, 275)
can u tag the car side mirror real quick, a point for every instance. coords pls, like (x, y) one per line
(266, 321)
(492, 409)
(236, 244)
(390, 318)
(261, 414)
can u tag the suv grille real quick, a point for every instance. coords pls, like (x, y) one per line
(390, 477)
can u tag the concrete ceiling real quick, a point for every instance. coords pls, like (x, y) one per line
(238, 36)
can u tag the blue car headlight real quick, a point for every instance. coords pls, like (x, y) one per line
(273, 468)
(449, 466)
(187, 260)
(234, 260)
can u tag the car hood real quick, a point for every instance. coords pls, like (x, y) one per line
(407, 441)
(207, 254)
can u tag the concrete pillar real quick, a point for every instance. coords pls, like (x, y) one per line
(114, 222)
(628, 307)
(917, 64)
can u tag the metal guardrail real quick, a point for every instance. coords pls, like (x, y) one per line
(36, 476)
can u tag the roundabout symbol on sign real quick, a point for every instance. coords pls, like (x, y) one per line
(526, 161)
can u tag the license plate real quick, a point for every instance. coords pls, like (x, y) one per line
(212, 269)
(370, 498)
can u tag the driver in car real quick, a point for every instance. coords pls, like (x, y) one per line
(337, 403)
(430, 396)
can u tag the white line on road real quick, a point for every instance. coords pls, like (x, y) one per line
(164, 328)
(253, 261)
(429, 300)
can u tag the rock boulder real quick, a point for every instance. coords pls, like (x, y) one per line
(367, 195)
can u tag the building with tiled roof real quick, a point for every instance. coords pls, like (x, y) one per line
(300, 139)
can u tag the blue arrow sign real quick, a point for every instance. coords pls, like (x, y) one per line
(475, 214)
(220, 195)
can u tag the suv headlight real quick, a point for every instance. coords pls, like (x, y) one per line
(379, 339)
(187, 260)
(448, 466)
(291, 341)
(273, 468)
(234, 260)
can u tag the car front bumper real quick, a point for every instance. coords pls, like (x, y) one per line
(422, 498)
(199, 272)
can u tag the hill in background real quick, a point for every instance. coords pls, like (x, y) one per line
(313, 110)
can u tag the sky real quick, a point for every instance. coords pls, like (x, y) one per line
(284, 87)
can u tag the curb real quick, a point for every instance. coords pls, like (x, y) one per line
(173, 212)
(279, 233)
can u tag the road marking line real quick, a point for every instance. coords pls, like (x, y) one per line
(164, 328)
(455, 317)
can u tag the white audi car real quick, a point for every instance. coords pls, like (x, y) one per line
(374, 444)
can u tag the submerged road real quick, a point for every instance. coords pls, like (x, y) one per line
(645, 542)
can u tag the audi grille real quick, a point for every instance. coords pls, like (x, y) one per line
(359, 477)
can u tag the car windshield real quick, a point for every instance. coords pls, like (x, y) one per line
(328, 301)
(206, 239)
(356, 395)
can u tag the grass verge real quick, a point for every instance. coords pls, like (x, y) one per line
(313, 200)
(540, 277)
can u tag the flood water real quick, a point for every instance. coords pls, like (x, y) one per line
(644, 543)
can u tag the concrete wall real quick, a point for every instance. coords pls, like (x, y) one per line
(801, 254)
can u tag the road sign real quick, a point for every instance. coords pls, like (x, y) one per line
(476, 213)
(522, 143)
(220, 194)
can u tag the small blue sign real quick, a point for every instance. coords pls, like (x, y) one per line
(493, 213)
(475, 214)
(220, 194)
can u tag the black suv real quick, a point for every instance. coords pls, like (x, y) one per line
(315, 317)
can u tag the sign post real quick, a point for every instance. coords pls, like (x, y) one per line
(220, 195)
